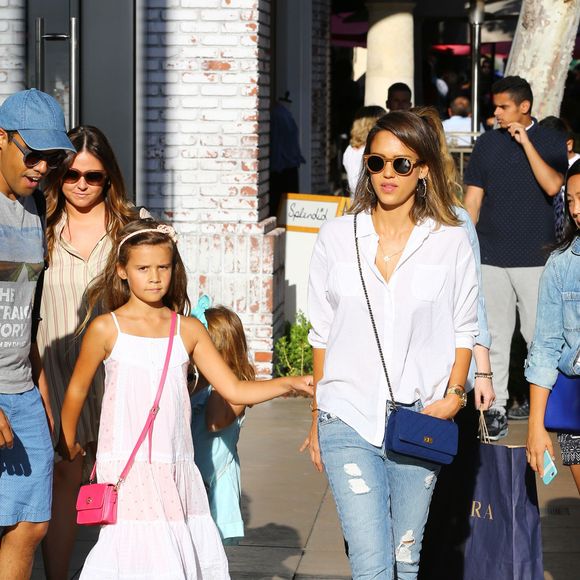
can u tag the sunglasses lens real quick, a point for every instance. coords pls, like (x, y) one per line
(375, 163)
(402, 165)
(32, 158)
(91, 177)
(71, 176)
(95, 178)
(53, 160)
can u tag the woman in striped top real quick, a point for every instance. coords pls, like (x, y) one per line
(86, 206)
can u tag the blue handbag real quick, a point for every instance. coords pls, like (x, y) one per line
(563, 408)
(422, 436)
(409, 432)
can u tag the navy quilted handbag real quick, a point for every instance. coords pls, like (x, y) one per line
(422, 436)
(563, 408)
(409, 432)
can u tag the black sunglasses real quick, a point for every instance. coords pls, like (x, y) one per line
(32, 157)
(91, 177)
(403, 166)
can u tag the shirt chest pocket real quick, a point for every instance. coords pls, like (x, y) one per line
(571, 312)
(428, 281)
(346, 280)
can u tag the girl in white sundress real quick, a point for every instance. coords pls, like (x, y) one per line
(164, 529)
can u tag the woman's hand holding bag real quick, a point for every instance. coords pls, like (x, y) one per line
(445, 408)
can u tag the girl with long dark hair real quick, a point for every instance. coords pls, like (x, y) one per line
(87, 204)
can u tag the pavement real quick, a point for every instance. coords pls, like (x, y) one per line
(292, 531)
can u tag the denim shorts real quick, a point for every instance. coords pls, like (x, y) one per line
(26, 469)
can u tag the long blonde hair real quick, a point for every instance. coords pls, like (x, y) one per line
(418, 135)
(110, 292)
(431, 115)
(118, 209)
(364, 120)
(227, 333)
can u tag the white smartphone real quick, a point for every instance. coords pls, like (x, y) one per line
(550, 470)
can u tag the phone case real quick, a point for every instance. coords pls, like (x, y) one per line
(550, 470)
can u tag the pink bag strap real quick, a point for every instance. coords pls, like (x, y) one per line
(148, 428)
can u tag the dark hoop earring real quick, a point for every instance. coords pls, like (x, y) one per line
(422, 193)
(370, 190)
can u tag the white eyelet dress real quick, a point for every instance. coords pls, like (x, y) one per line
(164, 529)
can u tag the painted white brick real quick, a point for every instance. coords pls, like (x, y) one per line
(180, 114)
(220, 14)
(180, 14)
(162, 3)
(200, 3)
(199, 26)
(162, 26)
(220, 40)
(241, 27)
(219, 115)
(240, 103)
(240, 3)
(239, 78)
(239, 52)
(219, 90)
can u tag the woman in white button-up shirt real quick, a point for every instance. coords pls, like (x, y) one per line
(420, 274)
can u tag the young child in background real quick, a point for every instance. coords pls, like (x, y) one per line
(164, 528)
(216, 424)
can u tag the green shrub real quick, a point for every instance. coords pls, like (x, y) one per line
(293, 354)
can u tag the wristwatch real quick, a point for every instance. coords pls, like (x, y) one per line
(460, 393)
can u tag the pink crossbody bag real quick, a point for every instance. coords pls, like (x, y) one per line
(97, 502)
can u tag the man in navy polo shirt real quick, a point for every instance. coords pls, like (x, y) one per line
(512, 176)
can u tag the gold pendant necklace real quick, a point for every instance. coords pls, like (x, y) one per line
(387, 257)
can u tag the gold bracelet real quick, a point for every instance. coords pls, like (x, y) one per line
(458, 386)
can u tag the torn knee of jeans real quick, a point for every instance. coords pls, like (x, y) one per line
(403, 551)
(358, 485)
(429, 480)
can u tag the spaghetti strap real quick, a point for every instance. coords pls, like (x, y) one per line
(178, 333)
(116, 322)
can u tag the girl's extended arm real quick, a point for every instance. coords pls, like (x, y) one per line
(93, 352)
(225, 382)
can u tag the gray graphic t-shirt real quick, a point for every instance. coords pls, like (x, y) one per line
(21, 261)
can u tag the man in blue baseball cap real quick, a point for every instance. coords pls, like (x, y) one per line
(33, 141)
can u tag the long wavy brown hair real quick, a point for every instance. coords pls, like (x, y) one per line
(110, 292)
(227, 333)
(417, 134)
(118, 210)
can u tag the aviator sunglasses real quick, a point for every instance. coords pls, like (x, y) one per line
(31, 157)
(93, 177)
(403, 166)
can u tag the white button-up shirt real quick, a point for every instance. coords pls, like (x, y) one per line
(426, 310)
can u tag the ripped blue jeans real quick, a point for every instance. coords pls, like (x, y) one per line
(382, 500)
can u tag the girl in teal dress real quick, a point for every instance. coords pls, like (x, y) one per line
(215, 423)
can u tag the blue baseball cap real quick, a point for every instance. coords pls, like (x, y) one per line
(38, 119)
